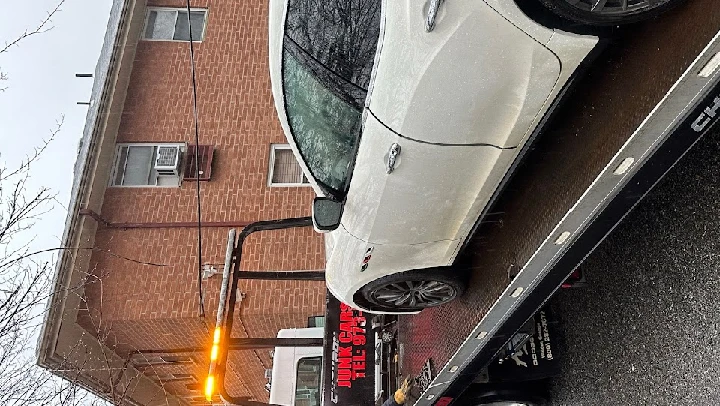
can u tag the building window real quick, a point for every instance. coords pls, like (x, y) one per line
(143, 360)
(196, 400)
(147, 165)
(163, 376)
(316, 321)
(171, 24)
(177, 359)
(284, 168)
(186, 377)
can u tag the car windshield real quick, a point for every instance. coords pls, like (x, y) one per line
(326, 127)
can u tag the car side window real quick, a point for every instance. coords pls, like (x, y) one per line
(340, 35)
(326, 127)
(328, 55)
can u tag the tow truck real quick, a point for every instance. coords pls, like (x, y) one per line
(574, 186)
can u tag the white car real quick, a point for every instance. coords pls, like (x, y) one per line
(407, 116)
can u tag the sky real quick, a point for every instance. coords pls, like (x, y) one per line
(42, 88)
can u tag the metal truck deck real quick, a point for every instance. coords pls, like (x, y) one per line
(640, 106)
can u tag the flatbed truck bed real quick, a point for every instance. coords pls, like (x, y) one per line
(642, 104)
(647, 99)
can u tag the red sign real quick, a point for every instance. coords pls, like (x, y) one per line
(349, 357)
(444, 401)
(351, 352)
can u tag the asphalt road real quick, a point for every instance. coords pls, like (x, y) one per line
(646, 331)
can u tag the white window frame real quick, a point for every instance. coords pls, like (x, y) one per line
(143, 360)
(271, 168)
(116, 163)
(147, 18)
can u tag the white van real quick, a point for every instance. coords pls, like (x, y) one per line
(297, 371)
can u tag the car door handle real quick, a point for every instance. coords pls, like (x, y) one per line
(392, 157)
(432, 14)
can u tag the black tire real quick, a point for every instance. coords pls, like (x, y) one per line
(507, 398)
(525, 393)
(612, 13)
(424, 287)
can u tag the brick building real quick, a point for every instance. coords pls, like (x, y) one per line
(133, 284)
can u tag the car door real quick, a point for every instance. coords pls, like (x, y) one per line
(428, 194)
(458, 101)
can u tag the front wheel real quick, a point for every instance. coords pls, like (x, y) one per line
(608, 12)
(414, 290)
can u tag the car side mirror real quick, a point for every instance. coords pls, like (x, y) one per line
(326, 214)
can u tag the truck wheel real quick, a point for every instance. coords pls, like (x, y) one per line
(413, 291)
(608, 12)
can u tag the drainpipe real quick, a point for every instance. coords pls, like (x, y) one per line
(176, 224)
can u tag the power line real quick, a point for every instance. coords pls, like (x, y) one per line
(197, 163)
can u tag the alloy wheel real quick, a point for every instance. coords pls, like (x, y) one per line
(414, 294)
(615, 7)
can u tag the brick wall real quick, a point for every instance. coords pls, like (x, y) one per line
(156, 305)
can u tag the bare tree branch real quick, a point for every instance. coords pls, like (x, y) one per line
(44, 26)
(26, 276)
(37, 152)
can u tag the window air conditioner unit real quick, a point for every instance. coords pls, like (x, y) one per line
(167, 160)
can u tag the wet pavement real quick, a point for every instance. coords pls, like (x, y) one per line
(610, 102)
(646, 331)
